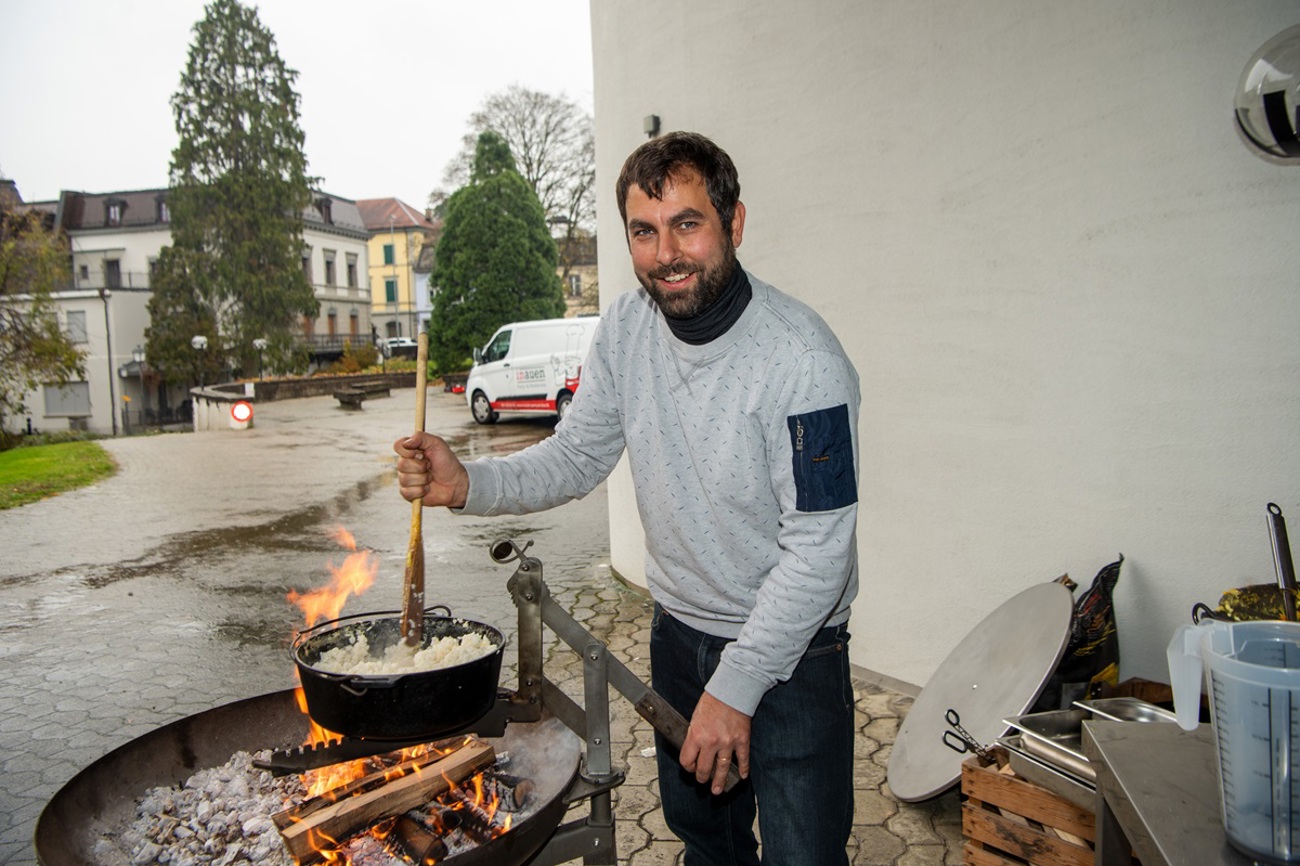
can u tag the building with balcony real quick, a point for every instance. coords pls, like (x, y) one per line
(336, 259)
(115, 240)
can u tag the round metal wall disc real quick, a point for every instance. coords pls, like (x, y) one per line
(997, 671)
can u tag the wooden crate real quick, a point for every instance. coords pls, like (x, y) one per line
(1008, 821)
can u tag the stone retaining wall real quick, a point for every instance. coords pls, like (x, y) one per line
(212, 404)
(319, 386)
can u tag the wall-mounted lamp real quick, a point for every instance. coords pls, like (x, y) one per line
(1268, 99)
(651, 125)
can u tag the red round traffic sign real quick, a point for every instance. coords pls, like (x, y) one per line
(242, 411)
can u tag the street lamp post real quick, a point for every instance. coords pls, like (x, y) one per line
(397, 287)
(104, 295)
(260, 345)
(200, 344)
(137, 355)
(410, 285)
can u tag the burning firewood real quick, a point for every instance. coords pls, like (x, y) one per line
(421, 844)
(383, 768)
(512, 791)
(474, 820)
(323, 821)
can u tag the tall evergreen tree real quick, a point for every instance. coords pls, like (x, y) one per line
(239, 186)
(495, 259)
(553, 143)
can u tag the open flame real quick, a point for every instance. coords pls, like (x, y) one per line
(353, 577)
(356, 575)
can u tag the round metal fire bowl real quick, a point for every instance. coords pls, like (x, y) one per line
(101, 798)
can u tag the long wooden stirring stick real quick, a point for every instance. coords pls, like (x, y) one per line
(413, 587)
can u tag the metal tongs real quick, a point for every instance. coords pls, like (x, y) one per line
(959, 739)
(1282, 560)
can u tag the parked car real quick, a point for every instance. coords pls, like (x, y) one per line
(403, 346)
(530, 367)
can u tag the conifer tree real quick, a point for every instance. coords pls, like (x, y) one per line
(495, 259)
(553, 143)
(239, 186)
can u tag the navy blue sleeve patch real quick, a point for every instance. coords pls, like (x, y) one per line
(824, 477)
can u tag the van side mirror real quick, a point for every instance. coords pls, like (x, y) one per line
(478, 355)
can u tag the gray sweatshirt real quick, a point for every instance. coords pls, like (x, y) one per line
(744, 458)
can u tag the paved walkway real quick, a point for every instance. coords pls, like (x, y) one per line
(160, 593)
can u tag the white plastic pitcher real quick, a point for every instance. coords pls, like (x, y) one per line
(1252, 672)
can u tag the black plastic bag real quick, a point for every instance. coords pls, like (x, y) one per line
(1091, 658)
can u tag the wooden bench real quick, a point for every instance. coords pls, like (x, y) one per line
(350, 398)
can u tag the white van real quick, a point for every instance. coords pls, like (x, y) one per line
(529, 367)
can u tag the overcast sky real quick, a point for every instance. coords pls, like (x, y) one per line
(386, 87)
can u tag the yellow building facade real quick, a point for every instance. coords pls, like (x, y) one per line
(399, 287)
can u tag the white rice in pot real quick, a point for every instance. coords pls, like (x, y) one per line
(444, 652)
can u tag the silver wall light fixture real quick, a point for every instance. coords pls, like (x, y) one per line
(1268, 99)
(651, 125)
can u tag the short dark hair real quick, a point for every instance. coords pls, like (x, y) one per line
(653, 163)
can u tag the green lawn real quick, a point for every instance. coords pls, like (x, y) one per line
(29, 474)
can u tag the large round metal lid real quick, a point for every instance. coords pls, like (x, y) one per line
(997, 671)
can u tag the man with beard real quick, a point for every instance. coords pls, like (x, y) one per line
(737, 408)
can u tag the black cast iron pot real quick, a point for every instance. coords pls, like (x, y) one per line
(424, 704)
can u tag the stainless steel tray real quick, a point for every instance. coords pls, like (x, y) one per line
(1080, 792)
(1057, 737)
(1126, 710)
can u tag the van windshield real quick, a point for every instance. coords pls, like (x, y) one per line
(498, 348)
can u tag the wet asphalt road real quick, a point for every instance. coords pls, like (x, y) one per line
(160, 592)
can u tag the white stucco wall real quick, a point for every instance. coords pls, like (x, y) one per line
(118, 321)
(1072, 293)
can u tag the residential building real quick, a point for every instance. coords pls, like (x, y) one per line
(399, 234)
(10, 198)
(115, 240)
(424, 288)
(578, 271)
(336, 259)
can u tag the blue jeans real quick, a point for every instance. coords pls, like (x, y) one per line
(801, 757)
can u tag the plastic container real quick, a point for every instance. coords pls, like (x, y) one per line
(1252, 673)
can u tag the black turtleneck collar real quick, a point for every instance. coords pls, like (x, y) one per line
(716, 319)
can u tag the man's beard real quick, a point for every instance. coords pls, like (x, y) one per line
(710, 285)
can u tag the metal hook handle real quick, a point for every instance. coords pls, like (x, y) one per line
(1202, 611)
(505, 550)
